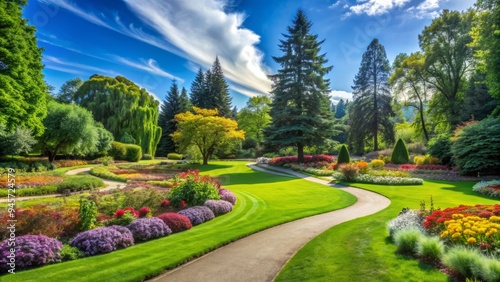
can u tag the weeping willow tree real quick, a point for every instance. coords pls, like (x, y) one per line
(125, 109)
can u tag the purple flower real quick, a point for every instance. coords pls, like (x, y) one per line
(198, 214)
(101, 240)
(31, 250)
(148, 228)
(227, 195)
(219, 207)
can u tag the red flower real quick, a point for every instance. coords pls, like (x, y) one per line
(182, 204)
(132, 211)
(119, 213)
(165, 203)
(143, 211)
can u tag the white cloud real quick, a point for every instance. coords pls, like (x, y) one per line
(196, 30)
(149, 66)
(335, 5)
(375, 7)
(65, 66)
(426, 9)
(336, 95)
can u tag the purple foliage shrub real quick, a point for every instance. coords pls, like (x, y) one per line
(148, 228)
(227, 195)
(219, 207)
(127, 236)
(31, 250)
(101, 240)
(176, 222)
(198, 214)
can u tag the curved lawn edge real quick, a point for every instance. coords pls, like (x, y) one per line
(154, 257)
(365, 242)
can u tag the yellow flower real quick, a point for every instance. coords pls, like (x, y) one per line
(444, 234)
(481, 230)
(493, 231)
(474, 228)
(471, 240)
(456, 235)
(467, 225)
(494, 218)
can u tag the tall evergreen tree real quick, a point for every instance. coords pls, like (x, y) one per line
(300, 110)
(198, 92)
(169, 108)
(371, 110)
(340, 109)
(479, 104)
(185, 104)
(22, 88)
(219, 89)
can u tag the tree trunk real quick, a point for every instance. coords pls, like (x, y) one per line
(205, 159)
(50, 155)
(421, 111)
(300, 153)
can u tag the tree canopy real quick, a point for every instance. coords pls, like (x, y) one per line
(205, 130)
(254, 117)
(22, 88)
(371, 109)
(123, 108)
(300, 109)
(66, 94)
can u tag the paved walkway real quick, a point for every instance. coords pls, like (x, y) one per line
(109, 184)
(261, 256)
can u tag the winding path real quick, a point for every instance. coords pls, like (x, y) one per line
(109, 184)
(261, 256)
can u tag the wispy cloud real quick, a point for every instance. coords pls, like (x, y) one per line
(196, 30)
(375, 7)
(426, 9)
(150, 66)
(75, 68)
(336, 4)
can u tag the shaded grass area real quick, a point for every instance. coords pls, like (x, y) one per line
(361, 250)
(263, 200)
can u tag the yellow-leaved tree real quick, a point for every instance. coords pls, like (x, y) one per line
(205, 130)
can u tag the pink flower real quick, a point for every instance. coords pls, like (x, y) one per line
(182, 204)
(165, 203)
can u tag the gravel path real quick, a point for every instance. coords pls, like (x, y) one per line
(261, 256)
(109, 184)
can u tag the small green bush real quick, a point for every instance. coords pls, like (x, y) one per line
(344, 156)
(70, 253)
(147, 157)
(477, 146)
(193, 190)
(430, 249)
(406, 240)
(400, 153)
(102, 172)
(134, 153)
(463, 260)
(118, 150)
(174, 156)
(79, 183)
(440, 147)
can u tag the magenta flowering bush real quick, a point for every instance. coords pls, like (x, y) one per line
(227, 195)
(30, 250)
(148, 228)
(101, 240)
(219, 207)
(198, 214)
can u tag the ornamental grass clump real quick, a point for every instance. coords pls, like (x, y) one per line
(145, 229)
(227, 195)
(464, 260)
(406, 240)
(406, 219)
(198, 215)
(349, 170)
(489, 269)
(176, 222)
(100, 241)
(30, 250)
(430, 249)
(219, 207)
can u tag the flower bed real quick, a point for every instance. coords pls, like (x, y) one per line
(30, 250)
(219, 207)
(101, 240)
(103, 172)
(24, 181)
(308, 169)
(280, 161)
(488, 188)
(145, 229)
(385, 180)
(198, 215)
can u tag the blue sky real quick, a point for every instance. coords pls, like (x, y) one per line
(153, 42)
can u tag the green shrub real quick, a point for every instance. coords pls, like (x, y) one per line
(87, 214)
(79, 183)
(477, 146)
(406, 240)
(430, 249)
(489, 270)
(174, 156)
(102, 172)
(463, 260)
(400, 153)
(147, 157)
(349, 170)
(124, 220)
(118, 151)
(193, 189)
(70, 253)
(36, 191)
(134, 153)
(343, 156)
(440, 147)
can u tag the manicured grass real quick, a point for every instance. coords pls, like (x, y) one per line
(264, 200)
(361, 250)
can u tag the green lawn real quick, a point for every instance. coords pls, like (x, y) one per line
(360, 250)
(264, 200)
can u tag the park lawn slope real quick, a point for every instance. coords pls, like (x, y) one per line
(361, 250)
(263, 200)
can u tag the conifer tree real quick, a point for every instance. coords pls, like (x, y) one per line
(198, 93)
(340, 109)
(300, 110)
(22, 88)
(219, 90)
(169, 108)
(371, 110)
(185, 104)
